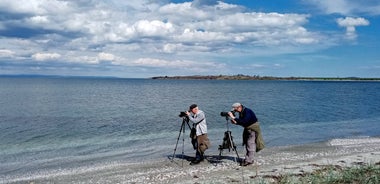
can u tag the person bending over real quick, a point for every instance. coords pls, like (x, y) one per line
(252, 138)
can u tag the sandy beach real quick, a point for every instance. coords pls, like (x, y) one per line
(270, 162)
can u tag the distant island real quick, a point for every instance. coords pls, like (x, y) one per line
(257, 77)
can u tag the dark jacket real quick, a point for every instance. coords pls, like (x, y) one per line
(246, 117)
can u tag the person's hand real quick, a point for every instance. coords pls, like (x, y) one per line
(233, 121)
(231, 115)
(187, 113)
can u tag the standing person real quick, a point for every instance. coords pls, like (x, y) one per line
(198, 118)
(252, 138)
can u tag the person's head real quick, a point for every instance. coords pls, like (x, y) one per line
(237, 107)
(193, 108)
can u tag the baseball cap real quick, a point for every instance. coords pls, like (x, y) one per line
(235, 105)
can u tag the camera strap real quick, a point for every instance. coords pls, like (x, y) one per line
(195, 124)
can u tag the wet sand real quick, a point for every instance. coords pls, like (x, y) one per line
(270, 162)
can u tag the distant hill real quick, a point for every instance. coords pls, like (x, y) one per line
(257, 77)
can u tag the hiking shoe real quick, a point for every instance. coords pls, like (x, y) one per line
(195, 162)
(191, 159)
(244, 163)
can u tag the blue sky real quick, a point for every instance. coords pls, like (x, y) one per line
(145, 38)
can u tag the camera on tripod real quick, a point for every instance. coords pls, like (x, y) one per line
(185, 120)
(228, 142)
(225, 114)
(182, 114)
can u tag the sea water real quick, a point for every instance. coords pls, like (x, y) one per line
(54, 125)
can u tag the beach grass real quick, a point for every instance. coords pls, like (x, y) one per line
(335, 174)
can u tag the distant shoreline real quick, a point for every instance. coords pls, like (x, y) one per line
(256, 77)
(202, 77)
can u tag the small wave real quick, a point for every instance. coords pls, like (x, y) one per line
(354, 141)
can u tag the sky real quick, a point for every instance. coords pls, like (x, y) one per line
(146, 38)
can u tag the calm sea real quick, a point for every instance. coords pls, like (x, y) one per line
(57, 124)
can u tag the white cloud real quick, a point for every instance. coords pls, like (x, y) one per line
(217, 23)
(196, 36)
(174, 64)
(254, 22)
(152, 28)
(171, 48)
(46, 56)
(39, 19)
(37, 7)
(162, 63)
(106, 56)
(255, 66)
(183, 11)
(348, 7)
(5, 53)
(153, 33)
(350, 23)
(336, 6)
(84, 59)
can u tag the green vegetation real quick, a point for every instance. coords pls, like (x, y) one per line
(257, 77)
(369, 174)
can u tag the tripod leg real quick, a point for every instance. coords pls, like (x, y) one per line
(223, 146)
(183, 142)
(220, 154)
(237, 155)
(179, 135)
(232, 145)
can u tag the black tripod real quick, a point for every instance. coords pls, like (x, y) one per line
(185, 120)
(228, 143)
